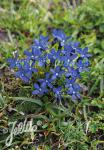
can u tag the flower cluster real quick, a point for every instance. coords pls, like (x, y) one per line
(54, 63)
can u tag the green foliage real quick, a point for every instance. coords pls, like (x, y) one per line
(74, 136)
(65, 126)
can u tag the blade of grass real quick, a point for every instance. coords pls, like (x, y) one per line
(94, 86)
(33, 100)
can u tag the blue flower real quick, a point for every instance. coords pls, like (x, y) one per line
(47, 81)
(61, 65)
(58, 92)
(71, 72)
(36, 51)
(34, 54)
(54, 55)
(42, 43)
(69, 82)
(25, 70)
(14, 62)
(37, 56)
(75, 45)
(39, 89)
(74, 91)
(42, 60)
(57, 72)
(83, 52)
(68, 60)
(29, 68)
(60, 35)
(68, 56)
(82, 66)
(20, 74)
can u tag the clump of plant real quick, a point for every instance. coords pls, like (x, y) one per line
(53, 65)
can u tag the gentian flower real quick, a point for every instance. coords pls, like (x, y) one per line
(34, 54)
(47, 81)
(71, 72)
(69, 82)
(54, 55)
(25, 70)
(68, 49)
(68, 56)
(20, 74)
(60, 35)
(29, 68)
(42, 60)
(61, 65)
(39, 89)
(75, 45)
(57, 92)
(67, 60)
(57, 72)
(14, 62)
(74, 91)
(83, 53)
(82, 66)
(42, 43)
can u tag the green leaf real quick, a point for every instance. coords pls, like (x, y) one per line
(45, 126)
(33, 100)
(1, 100)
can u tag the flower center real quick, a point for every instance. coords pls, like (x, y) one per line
(46, 81)
(73, 92)
(39, 47)
(22, 75)
(40, 89)
(32, 56)
(82, 55)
